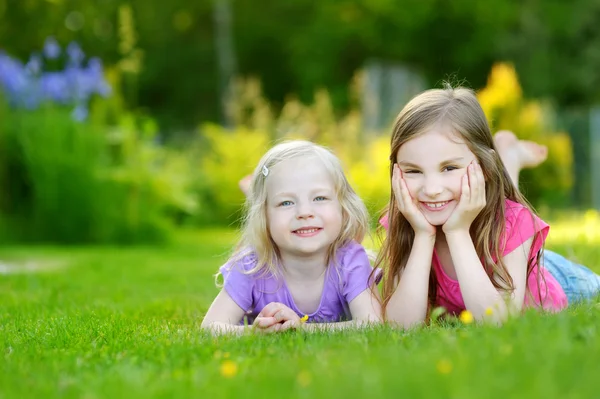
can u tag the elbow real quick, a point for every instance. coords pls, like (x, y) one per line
(205, 325)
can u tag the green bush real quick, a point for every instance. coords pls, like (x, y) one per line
(221, 159)
(70, 182)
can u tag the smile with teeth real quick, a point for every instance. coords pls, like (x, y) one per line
(435, 205)
(307, 231)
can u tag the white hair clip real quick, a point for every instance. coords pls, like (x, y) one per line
(265, 171)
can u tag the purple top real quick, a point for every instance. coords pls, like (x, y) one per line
(252, 292)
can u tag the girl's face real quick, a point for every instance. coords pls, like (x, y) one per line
(303, 212)
(433, 165)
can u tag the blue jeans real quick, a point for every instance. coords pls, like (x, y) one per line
(578, 282)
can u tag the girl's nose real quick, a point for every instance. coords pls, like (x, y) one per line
(304, 211)
(432, 187)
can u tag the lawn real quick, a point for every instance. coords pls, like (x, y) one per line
(92, 322)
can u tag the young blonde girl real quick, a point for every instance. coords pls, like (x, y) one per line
(460, 234)
(299, 263)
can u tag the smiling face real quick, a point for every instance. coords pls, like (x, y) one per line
(433, 165)
(303, 211)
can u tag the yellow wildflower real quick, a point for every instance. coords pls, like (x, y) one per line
(466, 317)
(489, 311)
(229, 369)
(304, 318)
(444, 366)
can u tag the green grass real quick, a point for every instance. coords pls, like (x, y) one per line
(124, 322)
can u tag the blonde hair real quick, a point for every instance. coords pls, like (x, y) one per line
(459, 109)
(256, 238)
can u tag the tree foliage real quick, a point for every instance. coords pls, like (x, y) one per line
(298, 46)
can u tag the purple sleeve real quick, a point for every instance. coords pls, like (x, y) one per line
(356, 270)
(238, 285)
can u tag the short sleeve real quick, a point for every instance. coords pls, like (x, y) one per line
(355, 269)
(521, 225)
(239, 285)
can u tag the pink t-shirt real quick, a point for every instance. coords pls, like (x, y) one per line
(520, 226)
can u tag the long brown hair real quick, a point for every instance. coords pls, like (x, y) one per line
(459, 109)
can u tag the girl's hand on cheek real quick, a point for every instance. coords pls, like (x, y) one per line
(408, 206)
(472, 200)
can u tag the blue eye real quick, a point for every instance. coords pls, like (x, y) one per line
(450, 168)
(286, 203)
(321, 198)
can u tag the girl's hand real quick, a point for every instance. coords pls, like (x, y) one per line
(276, 317)
(472, 200)
(408, 206)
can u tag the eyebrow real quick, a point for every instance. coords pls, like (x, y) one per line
(445, 162)
(314, 191)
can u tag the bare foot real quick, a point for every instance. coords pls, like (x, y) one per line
(245, 184)
(517, 153)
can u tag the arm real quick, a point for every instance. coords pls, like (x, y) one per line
(365, 310)
(478, 292)
(476, 287)
(408, 304)
(224, 316)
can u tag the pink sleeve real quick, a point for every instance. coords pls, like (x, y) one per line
(356, 270)
(521, 225)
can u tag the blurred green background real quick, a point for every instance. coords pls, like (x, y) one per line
(170, 103)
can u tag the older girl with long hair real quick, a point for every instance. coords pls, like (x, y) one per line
(460, 235)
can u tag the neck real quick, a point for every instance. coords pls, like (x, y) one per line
(440, 238)
(304, 267)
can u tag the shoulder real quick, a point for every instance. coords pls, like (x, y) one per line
(240, 264)
(352, 255)
(519, 215)
(354, 270)
(521, 224)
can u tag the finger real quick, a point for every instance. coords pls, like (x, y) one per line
(286, 314)
(465, 193)
(473, 182)
(270, 309)
(481, 178)
(406, 198)
(280, 315)
(289, 325)
(396, 184)
(264, 322)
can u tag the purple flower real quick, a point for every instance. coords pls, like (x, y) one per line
(75, 54)
(55, 86)
(26, 86)
(34, 65)
(13, 76)
(51, 48)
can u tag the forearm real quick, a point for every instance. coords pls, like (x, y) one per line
(408, 304)
(478, 292)
(222, 328)
(342, 325)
